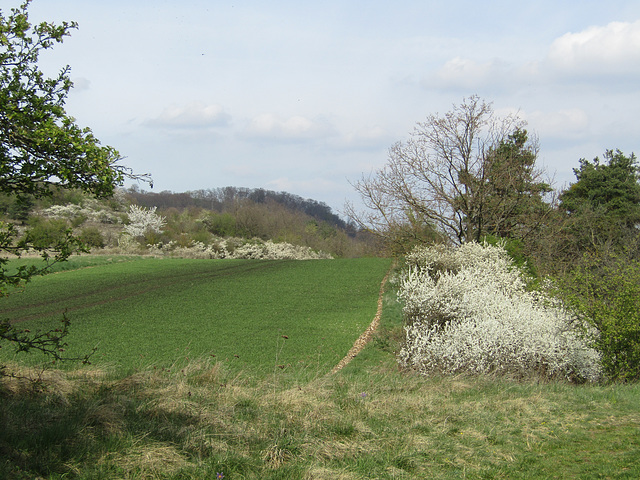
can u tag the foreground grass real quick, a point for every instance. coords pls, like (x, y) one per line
(201, 417)
(200, 420)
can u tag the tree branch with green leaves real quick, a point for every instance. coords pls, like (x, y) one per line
(43, 149)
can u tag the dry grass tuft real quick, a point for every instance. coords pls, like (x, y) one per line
(147, 460)
(137, 382)
(339, 450)
(58, 384)
(276, 456)
(320, 473)
(204, 373)
(108, 416)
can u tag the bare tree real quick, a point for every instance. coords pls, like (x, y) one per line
(442, 176)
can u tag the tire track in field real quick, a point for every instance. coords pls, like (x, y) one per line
(367, 335)
(131, 290)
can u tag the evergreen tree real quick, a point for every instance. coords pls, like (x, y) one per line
(603, 205)
(611, 187)
(512, 203)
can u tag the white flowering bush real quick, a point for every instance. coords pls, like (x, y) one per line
(128, 245)
(467, 311)
(237, 248)
(143, 221)
(277, 251)
(194, 250)
(90, 209)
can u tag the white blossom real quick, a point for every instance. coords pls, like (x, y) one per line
(468, 311)
(142, 220)
(236, 248)
(90, 209)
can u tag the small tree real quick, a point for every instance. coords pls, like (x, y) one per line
(465, 173)
(42, 149)
(612, 185)
(144, 221)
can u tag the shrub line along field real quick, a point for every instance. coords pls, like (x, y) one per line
(148, 311)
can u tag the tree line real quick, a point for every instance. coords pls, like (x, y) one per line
(469, 175)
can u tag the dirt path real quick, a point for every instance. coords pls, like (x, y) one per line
(366, 336)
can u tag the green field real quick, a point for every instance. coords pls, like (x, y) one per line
(147, 311)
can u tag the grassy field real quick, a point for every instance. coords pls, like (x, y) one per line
(147, 311)
(202, 416)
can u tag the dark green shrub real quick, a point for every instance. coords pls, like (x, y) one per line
(151, 237)
(605, 290)
(20, 207)
(220, 224)
(92, 237)
(202, 236)
(78, 220)
(46, 232)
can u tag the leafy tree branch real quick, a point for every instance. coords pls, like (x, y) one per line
(42, 149)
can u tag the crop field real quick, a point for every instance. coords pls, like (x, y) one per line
(297, 315)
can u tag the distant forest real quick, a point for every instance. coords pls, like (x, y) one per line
(224, 199)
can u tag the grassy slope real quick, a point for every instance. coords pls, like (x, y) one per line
(367, 421)
(157, 311)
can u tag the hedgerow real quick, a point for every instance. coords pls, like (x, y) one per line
(234, 248)
(467, 310)
(604, 290)
(90, 209)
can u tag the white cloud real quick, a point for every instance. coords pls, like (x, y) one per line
(593, 53)
(567, 124)
(365, 138)
(601, 50)
(295, 128)
(193, 115)
(465, 73)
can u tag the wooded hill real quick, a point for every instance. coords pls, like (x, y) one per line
(226, 199)
(202, 216)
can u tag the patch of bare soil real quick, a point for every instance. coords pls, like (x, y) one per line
(367, 335)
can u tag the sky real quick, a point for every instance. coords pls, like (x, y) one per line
(307, 97)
